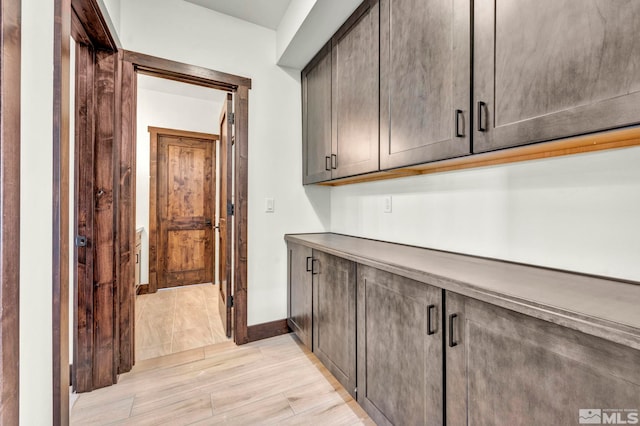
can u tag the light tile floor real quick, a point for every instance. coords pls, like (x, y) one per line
(270, 382)
(177, 319)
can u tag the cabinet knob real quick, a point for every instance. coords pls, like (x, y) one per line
(452, 342)
(430, 330)
(482, 126)
(459, 118)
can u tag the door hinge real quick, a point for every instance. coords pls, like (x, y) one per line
(229, 301)
(81, 241)
(231, 209)
(232, 118)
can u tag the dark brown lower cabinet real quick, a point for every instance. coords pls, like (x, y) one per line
(399, 349)
(334, 316)
(299, 294)
(505, 368)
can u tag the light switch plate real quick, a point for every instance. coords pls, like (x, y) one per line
(269, 205)
(387, 204)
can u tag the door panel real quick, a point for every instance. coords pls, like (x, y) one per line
(399, 349)
(334, 316)
(185, 210)
(355, 87)
(554, 83)
(316, 118)
(226, 134)
(300, 296)
(509, 369)
(425, 68)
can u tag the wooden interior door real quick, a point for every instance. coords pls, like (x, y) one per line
(185, 210)
(225, 301)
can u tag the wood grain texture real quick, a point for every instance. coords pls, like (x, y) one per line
(226, 220)
(60, 212)
(615, 139)
(105, 355)
(267, 330)
(186, 73)
(241, 227)
(539, 372)
(97, 27)
(84, 221)
(300, 292)
(185, 209)
(334, 316)
(273, 381)
(355, 92)
(600, 307)
(399, 349)
(10, 54)
(316, 118)
(425, 76)
(158, 258)
(582, 81)
(126, 216)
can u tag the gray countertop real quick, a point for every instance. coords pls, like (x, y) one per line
(604, 308)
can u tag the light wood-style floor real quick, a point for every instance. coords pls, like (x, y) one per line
(177, 319)
(272, 381)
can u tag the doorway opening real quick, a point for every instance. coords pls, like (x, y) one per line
(183, 186)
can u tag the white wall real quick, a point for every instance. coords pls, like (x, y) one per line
(111, 9)
(35, 213)
(172, 111)
(577, 213)
(227, 44)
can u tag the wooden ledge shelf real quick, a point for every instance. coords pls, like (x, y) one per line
(614, 139)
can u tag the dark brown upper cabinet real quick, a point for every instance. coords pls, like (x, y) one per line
(549, 71)
(340, 111)
(425, 81)
(355, 87)
(316, 118)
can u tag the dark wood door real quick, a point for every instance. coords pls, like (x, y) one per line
(355, 93)
(425, 81)
(548, 70)
(316, 118)
(399, 349)
(300, 295)
(505, 368)
(225, 225)
(334, 316)
(185, 210)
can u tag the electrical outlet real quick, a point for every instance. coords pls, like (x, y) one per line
(387, 204)
(269, 205)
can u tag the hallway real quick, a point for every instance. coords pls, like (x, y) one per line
(177, 319)
(273, 381)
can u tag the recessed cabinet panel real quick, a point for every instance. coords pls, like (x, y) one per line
(316, 118)
(399, 349)
(299, 302)
(425, 81)
(355, 93)
(554, 68)
(504, 368)
(334, 317)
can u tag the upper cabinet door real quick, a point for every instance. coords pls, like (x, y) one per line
(425, 81)
(316, 118)
(355, 93)
(554, 68)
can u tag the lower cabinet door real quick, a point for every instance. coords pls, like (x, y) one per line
(505, 368)
(299, 308)
(334, 316)
(400, 376)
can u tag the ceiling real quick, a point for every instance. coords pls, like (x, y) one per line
(163, 85)
(266, 13)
